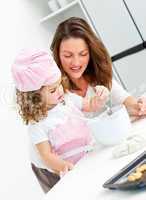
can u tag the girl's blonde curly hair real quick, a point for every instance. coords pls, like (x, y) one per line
(30, 106)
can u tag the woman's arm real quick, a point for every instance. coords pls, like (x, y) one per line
(51, 159)
(132, 106)
(121, 96)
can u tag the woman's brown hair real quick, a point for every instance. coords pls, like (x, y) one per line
(99, 69)
(30, 106)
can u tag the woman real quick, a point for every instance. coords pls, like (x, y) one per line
(85, 62)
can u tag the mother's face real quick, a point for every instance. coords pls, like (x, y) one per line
(74, 56)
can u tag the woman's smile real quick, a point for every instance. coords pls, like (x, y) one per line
(76, 69)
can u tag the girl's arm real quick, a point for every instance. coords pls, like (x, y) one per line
(51, 159)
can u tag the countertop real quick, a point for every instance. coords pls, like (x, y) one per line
(86, 179)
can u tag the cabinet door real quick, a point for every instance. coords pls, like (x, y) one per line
(132, 70)
(113, 24)
(51, 24)
(138, 11)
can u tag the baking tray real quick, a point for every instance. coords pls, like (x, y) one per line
(120, 181)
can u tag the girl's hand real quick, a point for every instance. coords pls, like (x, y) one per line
(96, 103)
(67, 167)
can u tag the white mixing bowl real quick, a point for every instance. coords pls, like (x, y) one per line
(111, 129)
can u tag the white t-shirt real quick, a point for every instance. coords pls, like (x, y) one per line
(62, 128)
(40, 131)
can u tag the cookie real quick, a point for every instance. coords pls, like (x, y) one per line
(141, 168)
(134, 176)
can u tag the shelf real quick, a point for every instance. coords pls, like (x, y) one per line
(60, 10)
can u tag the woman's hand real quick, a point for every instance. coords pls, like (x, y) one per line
(135, 107)
(142, 105)
(102, 93)
(97, 102)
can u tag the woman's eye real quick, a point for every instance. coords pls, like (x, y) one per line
(85, 54)
(67, 56)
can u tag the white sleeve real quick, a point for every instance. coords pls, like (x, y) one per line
(37, 133)
(118, 94)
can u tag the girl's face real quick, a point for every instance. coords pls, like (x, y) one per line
(52, 95)
(74, 57)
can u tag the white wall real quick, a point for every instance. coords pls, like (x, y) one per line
(119, 33)
(114, 24)
(20, 28)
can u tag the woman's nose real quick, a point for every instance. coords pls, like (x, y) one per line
(76, 61)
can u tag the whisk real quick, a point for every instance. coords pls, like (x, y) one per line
(109, 107)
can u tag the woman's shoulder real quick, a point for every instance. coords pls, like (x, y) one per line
(117, 86)
(118, 93)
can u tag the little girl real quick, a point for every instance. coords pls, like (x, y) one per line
(58, 139)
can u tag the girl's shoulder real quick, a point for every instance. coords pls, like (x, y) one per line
(56, 116)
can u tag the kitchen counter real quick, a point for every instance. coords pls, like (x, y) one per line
(86, 179)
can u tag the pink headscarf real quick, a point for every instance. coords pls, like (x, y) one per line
(33, 69)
